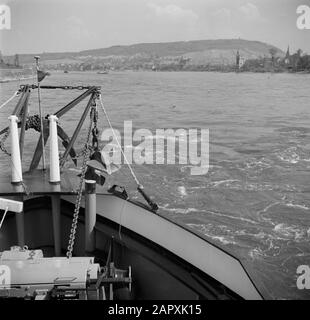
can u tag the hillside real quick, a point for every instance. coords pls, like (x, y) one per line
(185, 55)
(184, 47)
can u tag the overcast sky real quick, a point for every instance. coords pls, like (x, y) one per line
(74, 25)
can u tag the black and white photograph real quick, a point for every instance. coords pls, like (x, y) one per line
(154, 150)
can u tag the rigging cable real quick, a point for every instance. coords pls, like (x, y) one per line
(4, 215)
(9, 100)
(119, 145)
(152, 204)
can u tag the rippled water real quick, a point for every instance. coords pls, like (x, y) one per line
(254, 200)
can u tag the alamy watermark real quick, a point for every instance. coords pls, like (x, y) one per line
(5, 277)
(167, 146)
(303, 280)
(303, 20)
(5, 17)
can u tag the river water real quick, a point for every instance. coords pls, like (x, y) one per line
(254, 201)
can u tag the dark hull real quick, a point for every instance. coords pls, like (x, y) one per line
(157, 272)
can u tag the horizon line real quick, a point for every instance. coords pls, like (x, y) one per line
(138, 43)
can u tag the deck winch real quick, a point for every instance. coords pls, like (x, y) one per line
(27, 274)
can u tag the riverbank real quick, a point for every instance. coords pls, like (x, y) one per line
(10, 75)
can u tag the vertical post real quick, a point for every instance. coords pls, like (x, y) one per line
(23, 124)
(19, 217)
(112, 268)
(54, 153)
(20, 226)
(90, 215)
(56, 223)
(40, 113)
(16, 169)
(17, 177)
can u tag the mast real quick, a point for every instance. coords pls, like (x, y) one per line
(40, 112)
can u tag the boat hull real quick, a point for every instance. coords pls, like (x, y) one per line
(168, 261)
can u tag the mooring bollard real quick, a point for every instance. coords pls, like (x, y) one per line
(55, 180)
(17, 177)
(90, 215)
(54, 153)
(16, 166)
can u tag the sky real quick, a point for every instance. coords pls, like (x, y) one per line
(73, 25)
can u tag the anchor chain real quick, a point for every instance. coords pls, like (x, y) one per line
(2, 142)
(81, 88)
(33, 122)
(95, 131)
(86, 154)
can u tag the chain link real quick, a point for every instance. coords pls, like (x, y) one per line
(33, 122)
(5, 151)
(78, 155)
(60, 87)
(2, 146)
(95, 131)
(86, 153)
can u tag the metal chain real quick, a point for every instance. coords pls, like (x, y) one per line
(4, 150)
(81, 153)
(59, 87)
(95, 131)
(33, 122)
(86, 153)
(2, 147)
(78, 155)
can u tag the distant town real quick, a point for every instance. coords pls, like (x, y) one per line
(206, 55)
(296, 62)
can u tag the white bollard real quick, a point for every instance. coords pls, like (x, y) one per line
(17, 176)
(54, 154)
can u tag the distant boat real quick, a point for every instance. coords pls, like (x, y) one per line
(103, 72)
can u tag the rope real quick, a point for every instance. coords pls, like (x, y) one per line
(9, 100)
(119, 145)
(4, 215)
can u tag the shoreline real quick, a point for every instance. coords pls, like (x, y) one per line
(176, 71)
(6, 80)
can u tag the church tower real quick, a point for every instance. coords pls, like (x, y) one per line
(238, 60)
(287, 56)
(16, 60)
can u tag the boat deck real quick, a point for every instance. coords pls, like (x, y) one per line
(37, 182)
